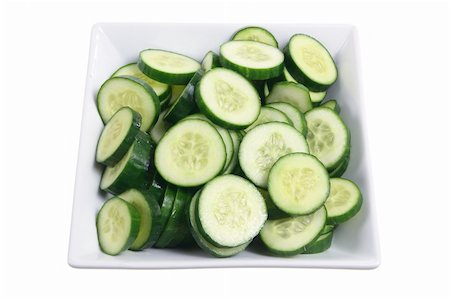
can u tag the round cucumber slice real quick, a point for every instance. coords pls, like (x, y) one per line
(268, 115)
(292, 93)
(256, 34)
(297, 118)
(344, 202)
(210, 61)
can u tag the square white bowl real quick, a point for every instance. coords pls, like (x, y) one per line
(355, 243)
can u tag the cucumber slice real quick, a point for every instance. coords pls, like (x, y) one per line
(167, 67)
(256, 34)
(262, 146)
(230, 211)
(310, 63)
(236, 139)
(132, 170)
(162, 90)
(210, 61)
(190, 153)
(175, 224)
(327, 228)
(333, 105)
(160, 128)
(185, 103)
(268, 115)
(298, 184)
(317, 97)
(289, 236)
(341, 168)
(292, 93)
(157, 187)
(322, 244)
(328, 137)
(150, 215)
(125, 91)
(164, 103)
(117, 226)
(202, 242)
(166, 207)
(285, 76)
(272, 211)
(227, 98)
(297, 118)
(117, 136)
(344, 202)
(254, 60)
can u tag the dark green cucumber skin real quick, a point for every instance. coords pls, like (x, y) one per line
(250, 73)
(275, 44)
(135, 174)
(157, 187)
(341, 168)
(134, 227)
(163, 77)
(259, 86)
(333, 105)
(298, 74)
(185, 104)
(215, 61)
(166, 207)
(173, 231)
(147, 88)
(319, 246)
(127, 141)
(350, 214)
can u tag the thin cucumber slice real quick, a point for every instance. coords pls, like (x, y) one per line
(202, 242)
(268, 115)
(262, 146)
(164, 103)
(230, 211)
(191, 153)
(157, 187)
(297, 118)
(117, 226)
(298, 184)
(254, 60)
(341, 168)
(344, 202)
(167, 67)
(328, 137)
(175, 223)
(228, 99)
(285, 76)
(162, 90)
(292, 93)
(236, 139)
(272, 211)
(176, 91)
(310, 63)
(160, 128)
(289, 236)
(256, 34)
(327, 228)
(132, 170)
(317, 97)
(125, 91)
(322, 244)
(185, 103)
(150, 215)
(210, 61)
(117, 136)
(166, 206)
(333, 105)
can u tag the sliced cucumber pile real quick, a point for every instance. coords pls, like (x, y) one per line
(213, 154)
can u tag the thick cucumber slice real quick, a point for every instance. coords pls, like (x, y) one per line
(262, 146)
(162, 90)
(298, 184)
(210, 61)
(268, 115)
(254, 60)
(117, 226)
(160, 128)
(190, 153)
(317, 97)
(236, 138)
(328, 137)
(333, 105)
(125, 91)
(344, 202)
(202, 242)
(185, 103)
(230, 211)
(176, 221)
(310, 63)
(272, 211)
(117, 136)
(322, 244)
(167, 67)
(256, 34)
(132, 170)
(150, 215)
(157, 187)
(289, 236)
(227, 98)
(297, 118)
(292, 93)
(341, 168)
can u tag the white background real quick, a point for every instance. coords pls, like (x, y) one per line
(405, 51)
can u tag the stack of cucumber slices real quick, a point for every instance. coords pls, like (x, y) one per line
(218, 153)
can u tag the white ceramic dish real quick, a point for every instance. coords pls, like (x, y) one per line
(355, 244)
